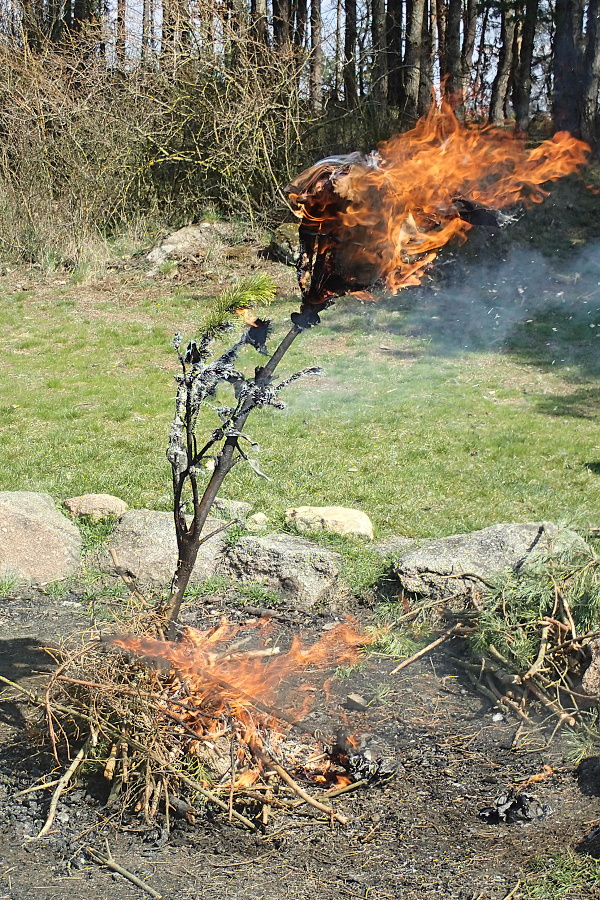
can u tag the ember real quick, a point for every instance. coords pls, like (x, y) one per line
(381, 219)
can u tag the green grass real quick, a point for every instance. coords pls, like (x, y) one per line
(428, 417)
(561, 877)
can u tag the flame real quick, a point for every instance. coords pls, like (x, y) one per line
(256, 694)
(385, 216)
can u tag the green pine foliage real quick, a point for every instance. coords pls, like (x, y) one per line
(247, 293)
(514, 612)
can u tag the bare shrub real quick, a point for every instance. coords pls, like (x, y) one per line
(86, 148)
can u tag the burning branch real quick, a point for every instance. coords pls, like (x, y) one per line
(380, 219)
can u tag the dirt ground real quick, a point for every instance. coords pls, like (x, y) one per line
(418, 834)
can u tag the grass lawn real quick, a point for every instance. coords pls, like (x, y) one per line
(471, 400)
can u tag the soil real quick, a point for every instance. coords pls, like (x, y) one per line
(419, 833)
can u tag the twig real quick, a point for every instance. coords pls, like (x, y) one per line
(111, 863)
(558, 648)
(506, 701)
(186, 780)
(126, 576)
(411, 659)
(345, 789)
(13, 684)
(539, 662)
(61, 787)
(37, 787)
(307, 797)
(512, 893)
(110, 729)
(549, 704)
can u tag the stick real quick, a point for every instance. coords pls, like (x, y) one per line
(127, 577)
(411, 659)
(116, 867)
(539, 662)
(60, 788)
(506, 701)
(139, 746)
(37, 787)
(307, 797)
(512, 893)
(550, 705)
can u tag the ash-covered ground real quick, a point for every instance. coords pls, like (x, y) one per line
(418, 834)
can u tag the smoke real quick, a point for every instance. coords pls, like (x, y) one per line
(486, 305)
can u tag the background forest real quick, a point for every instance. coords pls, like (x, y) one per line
(157, 112)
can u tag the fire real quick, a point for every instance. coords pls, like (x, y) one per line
(217, 689)
(384, 217)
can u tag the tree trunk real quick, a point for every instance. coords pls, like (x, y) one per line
(259, 23)
(505, 58)
(427, 59)
(468, 46)
(350, 90)
(522, 83)
(440, 15)
(566, 101)
(394, 51)
(316, 58)
(453, 73)
(120, 32)
(412, 60)
(591, 68)
(147, 29)
(379, 60)
(281, 22)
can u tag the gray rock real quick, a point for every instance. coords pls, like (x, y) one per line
(461, 563)
(591, 677)
(190, 242)
(257, 522)
(96, 506)
(304, 573)
(394, 546)
(38, 544)
(232, 509)
(144, 542)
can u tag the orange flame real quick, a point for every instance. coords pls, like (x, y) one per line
(390, 213)
(260, 691)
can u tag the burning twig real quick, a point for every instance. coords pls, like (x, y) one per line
(285, 776)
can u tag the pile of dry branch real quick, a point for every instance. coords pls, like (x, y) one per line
(216, 717)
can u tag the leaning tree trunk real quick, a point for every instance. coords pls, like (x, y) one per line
(505, 58)
(522, 82)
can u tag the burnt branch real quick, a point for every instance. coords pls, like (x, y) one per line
(197, 385)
